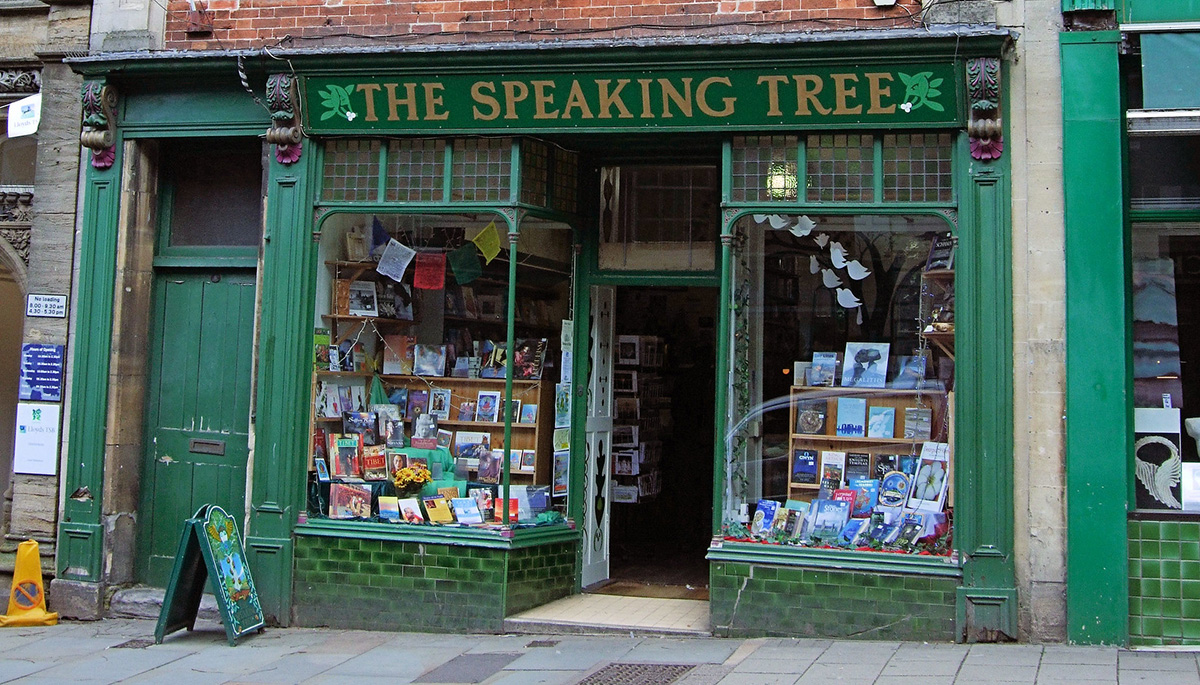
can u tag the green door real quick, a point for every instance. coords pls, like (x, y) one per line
(197, 406)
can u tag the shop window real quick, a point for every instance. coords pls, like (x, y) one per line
(351, 171)
(412, 423)
(224, 174)
(1164, 172)
(842, 383)
(415, 169)
(18, 158)
(659, 217)
(1166, 356)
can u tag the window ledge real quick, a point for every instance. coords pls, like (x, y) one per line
(1163, 515)
(513, 538)
(833, 559)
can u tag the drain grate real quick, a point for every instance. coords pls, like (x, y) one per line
(140, 643)
(636, 674)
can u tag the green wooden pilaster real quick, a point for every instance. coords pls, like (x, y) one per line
(81, 526)
(1099, 419)
(281, 438)
(983, 434)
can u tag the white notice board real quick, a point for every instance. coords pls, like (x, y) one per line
(35, 444)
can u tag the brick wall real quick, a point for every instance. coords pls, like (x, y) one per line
(315, 23)
(750, 600)
(395, 585)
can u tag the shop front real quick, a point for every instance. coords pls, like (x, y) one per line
(466, 335)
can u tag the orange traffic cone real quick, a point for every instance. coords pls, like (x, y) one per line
(27, 603)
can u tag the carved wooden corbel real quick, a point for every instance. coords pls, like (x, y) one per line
(285, 133)
(984, 125)
(99, 130)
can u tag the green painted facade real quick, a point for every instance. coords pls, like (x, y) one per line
(369, 575)
(390, 584)
(752, 599)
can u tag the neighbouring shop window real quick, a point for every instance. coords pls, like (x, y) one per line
(1165, 290)
(1164, 172)
(659, 217)
(412, 423)
(18, 158)
(213, 192)
(842, 381)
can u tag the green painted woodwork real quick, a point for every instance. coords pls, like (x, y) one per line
(755, 599)
(396, 584)
(166, 111)
(1088, 5)
(1146, 11)
(1099, 422)
(277, 473)
(1164, 582)
(754, 97)
(198, 388)
(81, 530)
(983, 431)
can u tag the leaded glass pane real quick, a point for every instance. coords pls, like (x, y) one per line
(351, 170)
(415, 170)
(764, 168)
(840, 168)
(916, 167)
(482, 167)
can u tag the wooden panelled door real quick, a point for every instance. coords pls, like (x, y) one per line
(197, 406)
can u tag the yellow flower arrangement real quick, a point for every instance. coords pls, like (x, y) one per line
(411, 478)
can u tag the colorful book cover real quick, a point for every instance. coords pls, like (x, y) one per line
(438, 509)
(513, 409)
(485, 499)
(495, 359)
(884, 464)
(410, 510)
(810, 417)
(824, 368)
(851, 417)
(398, 355)
(562, 462)
(345, 451)
(846, 495)
(929, 487)
(918, 423)
(429, 360)
(328, 403)
(829, 517)
(528, 357)
(375, 463)
(439, 403)
(804, 467)
(449, 492)
(399, 397)
(418, 404)
(362, 423)
(466, 510)
(833, 466)
(472, 444)
(349, 500)
(490, 465)
(858, 465)
(865, 366)
(322, 469)
(487, 407)
(425, 432)
(466, 411)
(513, 510)
(321, 342)
(445, 438)
(893, 489)
(529, 413)
(849, 535)
(562, 405)
(881, 422)
(866, 496)
(792, 522)
(764, 517)
(389, 508)
(528, 459)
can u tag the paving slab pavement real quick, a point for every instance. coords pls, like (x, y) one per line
(86, 653)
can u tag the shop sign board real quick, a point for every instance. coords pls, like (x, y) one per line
(210, 553)
(737, 98)
(35, 444)
(41, 373)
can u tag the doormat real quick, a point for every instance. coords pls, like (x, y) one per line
(636, 674)
(468, 668)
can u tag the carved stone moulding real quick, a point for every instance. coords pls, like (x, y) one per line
(99, 126)
(984, 127)
(20, 80)
(286, 133)
(19, 239)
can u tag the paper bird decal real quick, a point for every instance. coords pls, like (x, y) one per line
(837, 254)
(822, 239)
(813, 265)
(777, 221)
(856, 270)
(847, 298)
(803, 227)
(760, 218)
(830, 279)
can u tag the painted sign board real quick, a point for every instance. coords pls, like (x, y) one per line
(35, 444)
(46, 306)
(41, 373)
(210, 550)
(732, 98)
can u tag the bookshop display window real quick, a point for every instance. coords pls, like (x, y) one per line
(422, 322)
(1165, 292)
(842, 382)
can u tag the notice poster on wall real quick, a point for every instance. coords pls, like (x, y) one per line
(35, 444)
